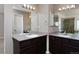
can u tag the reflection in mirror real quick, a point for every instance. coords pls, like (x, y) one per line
(18, 23)
(65, 20)
(21, 22)
(67, 25)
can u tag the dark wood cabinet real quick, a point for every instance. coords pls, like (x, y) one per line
(30, 46)
(55, 45)
(60, 45)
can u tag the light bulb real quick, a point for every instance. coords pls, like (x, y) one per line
(59, 9)
(24, 5)
(33, 8)
(63, 8)
(68, 7)
(72, 6)
(29, 16)
(28, 6)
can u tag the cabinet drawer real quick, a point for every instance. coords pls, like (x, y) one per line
(74, 43)
(73, 47)
(28, 42)
(25, 43)
(28, 50)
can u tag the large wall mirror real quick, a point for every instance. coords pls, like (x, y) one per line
(21, 22)
(65, 18)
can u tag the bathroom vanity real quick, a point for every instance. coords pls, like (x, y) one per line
(64, 43)
(35, 43)
(30, 43)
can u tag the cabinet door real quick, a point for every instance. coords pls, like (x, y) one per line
(55, 44)
(70, 46)
(65, 45)
(16, 46)
(74, 46)
(33, 46)
(28, 50)
(28, 46)
(41, 45)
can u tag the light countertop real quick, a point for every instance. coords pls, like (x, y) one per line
(26, 36)
(64, 35)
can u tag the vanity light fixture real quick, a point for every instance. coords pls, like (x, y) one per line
(67, 7)
(29, 7)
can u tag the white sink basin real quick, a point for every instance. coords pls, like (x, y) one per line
(24, 36)
(31, 35)
(28, 35)
(64, 35)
